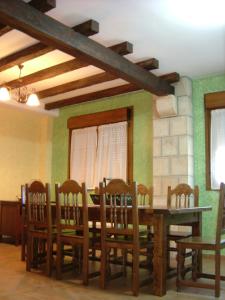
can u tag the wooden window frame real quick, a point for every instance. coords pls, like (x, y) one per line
(212, 101)
(102, 118)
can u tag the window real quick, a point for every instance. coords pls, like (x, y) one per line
(101, 146)
(215, 139)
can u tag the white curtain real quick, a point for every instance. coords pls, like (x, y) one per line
(83, 155)
(217, 147)
(111, 159)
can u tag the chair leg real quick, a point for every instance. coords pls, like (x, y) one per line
(180, 263)
(49, 258)
(23, 244)
(59, 260)
(124, 255)
(135, 275)
(103, 268)
(85, 264)
(217, 273)
(194, 264)
(28, 260)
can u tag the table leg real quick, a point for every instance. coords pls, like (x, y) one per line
(159, 255)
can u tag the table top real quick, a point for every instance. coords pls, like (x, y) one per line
(165, 209)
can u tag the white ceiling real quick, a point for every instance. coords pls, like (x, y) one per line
(150, 25)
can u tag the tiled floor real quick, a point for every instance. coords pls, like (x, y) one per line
(17, 284)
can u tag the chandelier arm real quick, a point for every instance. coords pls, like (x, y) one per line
(22, 94)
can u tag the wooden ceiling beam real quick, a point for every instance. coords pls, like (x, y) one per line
(115, 91)
(42, 5)
(90, 80)
(171, 77)
(53, 33)
(88, 28)
(123, 48)
(24, 55)
(123, 89)
(71, 65)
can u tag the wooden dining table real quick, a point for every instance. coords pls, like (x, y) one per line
(160, 218)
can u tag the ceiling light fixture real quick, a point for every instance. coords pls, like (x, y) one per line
(21, 95)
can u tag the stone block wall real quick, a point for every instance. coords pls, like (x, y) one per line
(173, 144)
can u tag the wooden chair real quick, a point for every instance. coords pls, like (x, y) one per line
(39, 226)
(72, 225)
(197, 244)
(120, 228)
(145, 195)
(181, 196)
(145, 198)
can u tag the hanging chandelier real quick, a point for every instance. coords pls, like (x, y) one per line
(21, 95)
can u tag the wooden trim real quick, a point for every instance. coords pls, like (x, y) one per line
(96, 119)
(214, 100)
(60, 36)
(207, 148)
(69, 152)
(211, 101)
(106, 117)
(130, 145)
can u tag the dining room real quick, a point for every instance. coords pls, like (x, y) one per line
(87, 108)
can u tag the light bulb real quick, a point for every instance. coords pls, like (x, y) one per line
(33, 100)
(4, 94)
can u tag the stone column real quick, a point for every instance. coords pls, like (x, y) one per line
(173, 143)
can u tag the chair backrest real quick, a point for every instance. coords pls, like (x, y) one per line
(106, 180)
(117, 217)
(182, 196)
(145, 195)
(38, 205)
(221, 214)
(71, 207)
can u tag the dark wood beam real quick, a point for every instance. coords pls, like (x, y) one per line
(123, 48)
(4, 29)
(71, 65)
(24, 55)
(171, 77)
(123, 89)
(88, 28)
(149, 64)
(115, 91)
(56, 34)
(42, 5)
(88, 81)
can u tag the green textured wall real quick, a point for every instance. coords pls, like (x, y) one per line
(201, 87)
(142, 104)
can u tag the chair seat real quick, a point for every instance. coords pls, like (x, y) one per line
(199, 242)
(42, 232)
